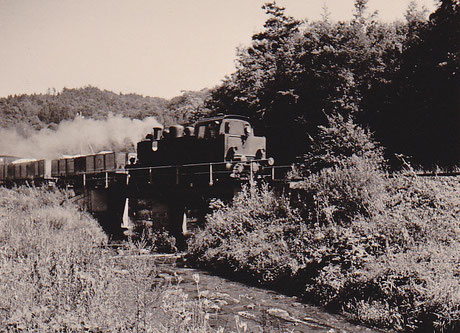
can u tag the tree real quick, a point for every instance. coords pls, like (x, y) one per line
(399, 79)
(425, 90)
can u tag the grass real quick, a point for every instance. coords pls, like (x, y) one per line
(57, 275)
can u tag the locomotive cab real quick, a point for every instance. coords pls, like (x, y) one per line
(234, 137)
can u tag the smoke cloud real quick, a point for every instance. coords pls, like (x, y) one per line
(78, 136)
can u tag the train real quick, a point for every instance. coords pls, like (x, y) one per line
(179, 170)
(167, 183)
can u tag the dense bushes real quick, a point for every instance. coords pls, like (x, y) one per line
(55, 276)
(382, 249)
(48, 259)
(250, 238)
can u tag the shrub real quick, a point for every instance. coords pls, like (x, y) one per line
(377, 241)
(381, 248)
(154, 240)
(337, 142)
(250, 237)
(48, 256)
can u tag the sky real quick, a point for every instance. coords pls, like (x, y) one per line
(149, 47)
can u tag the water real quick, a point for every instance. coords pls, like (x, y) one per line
(261, 310)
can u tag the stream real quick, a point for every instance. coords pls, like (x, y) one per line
(262, 310)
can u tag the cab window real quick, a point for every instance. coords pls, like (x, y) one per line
(208, 130)
(212, 130)
(235, 127)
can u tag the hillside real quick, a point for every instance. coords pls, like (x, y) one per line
(37, 111)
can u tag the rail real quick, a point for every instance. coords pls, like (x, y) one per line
(439, 174)
(249, 170)
(211, 168)
(274, 173)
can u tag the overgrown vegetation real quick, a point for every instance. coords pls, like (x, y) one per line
(383, 249)
(401, 79)
(56, 274)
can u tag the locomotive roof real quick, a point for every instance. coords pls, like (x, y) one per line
(230, 116)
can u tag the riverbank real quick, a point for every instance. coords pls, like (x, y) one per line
(57, 274)
(381, 249)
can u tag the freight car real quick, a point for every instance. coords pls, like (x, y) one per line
(105, 161)
(23, 171)
(69, 168)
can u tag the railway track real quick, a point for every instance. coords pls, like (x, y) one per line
(439, 174)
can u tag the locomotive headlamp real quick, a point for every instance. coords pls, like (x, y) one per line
(271, 161)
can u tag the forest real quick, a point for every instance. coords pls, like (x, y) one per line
(400, 80)
(27, 113)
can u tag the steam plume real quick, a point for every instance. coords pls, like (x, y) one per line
(78, 136)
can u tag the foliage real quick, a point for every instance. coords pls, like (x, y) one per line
(384, 250)
(58, 276)
(400, 79)
(154, 240)
(42, 110)
(418, 113)
(339, 141)
(248, 238)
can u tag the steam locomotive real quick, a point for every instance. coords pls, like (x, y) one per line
(225, 143)
(179, 170)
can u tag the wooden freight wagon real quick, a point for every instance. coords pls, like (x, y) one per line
(55, 168)
(89, 163)
(115, 161)
(110, 161)
(21, 168)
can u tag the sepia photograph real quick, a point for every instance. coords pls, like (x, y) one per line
(230, 166)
